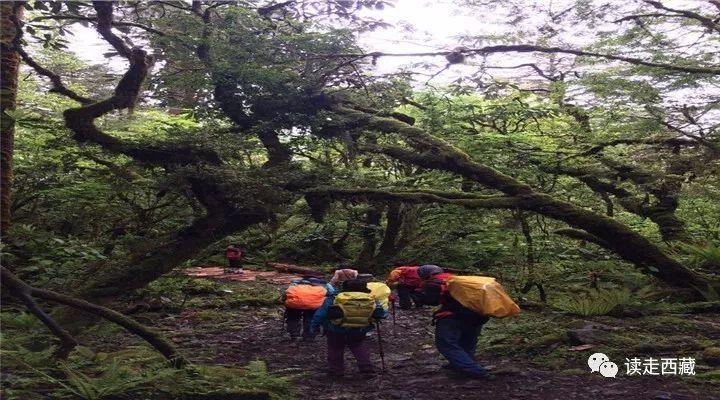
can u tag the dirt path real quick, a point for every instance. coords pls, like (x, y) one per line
(413, 365)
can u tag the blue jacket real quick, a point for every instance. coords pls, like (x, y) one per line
(320, 318)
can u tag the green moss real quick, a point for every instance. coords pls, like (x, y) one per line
(711, 355)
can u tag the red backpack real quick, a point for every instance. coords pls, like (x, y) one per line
(434, 288)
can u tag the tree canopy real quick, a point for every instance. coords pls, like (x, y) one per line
(558, 141)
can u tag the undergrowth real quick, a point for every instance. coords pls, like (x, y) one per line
(134, 372)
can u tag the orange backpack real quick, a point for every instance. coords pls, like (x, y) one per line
(305, 297)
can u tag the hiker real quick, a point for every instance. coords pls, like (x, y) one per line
(302, 298)
(456, 328)
(346, 317)
(405, 280)
(235, 255)
(342, 275)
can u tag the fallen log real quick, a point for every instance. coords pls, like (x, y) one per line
(295, 269)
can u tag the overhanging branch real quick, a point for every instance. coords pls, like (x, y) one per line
(415, 197)
(529, 48)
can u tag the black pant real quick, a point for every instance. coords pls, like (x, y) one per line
(297, 321)
(235, 263)
(406, 296)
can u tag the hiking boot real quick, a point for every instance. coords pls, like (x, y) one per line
(335, 374)
(458, 374)
(368, 372)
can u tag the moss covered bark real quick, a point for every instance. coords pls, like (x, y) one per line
(431, 152)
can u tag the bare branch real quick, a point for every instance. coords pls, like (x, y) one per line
(79, 18)
(58, 86)
(104, 10)
(529, 48)
(705, 21)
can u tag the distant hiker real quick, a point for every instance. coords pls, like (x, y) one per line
(342, 275)
(406, 281)
(302, 298)
(235, 255)
(346, 317)
(456, 328)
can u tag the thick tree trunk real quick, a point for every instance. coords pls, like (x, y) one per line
(10, 16)
(154, 262)
(369, 233)
(393, 223)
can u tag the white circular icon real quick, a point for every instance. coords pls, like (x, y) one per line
(595, 360)
(608, 369)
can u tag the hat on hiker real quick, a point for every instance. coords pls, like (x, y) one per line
(343, 275)
(355, 285)
(428, 270)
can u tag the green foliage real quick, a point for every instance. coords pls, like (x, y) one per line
(113, 380)
(707, 257)
(596, 302)
(132, 372)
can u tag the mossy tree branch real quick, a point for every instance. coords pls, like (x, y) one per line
(158, 342)
(431, 152)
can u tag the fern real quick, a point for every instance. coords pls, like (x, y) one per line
(114, 380)
(596, 302)
(707, 256)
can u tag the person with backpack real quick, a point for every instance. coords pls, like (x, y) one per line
(235, 255)
(406, 281)
(456, 327)
(341, 275)
(302, 298)
(346, 317)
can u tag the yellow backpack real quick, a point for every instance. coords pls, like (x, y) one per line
(483, 295)
(357, 309)
(381, 292)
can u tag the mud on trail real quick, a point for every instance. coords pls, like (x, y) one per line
(243, 334)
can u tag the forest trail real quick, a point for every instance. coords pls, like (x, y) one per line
(413, 364)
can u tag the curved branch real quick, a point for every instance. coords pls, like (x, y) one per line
(581, 235)
(595, 149)
(104, 10)
(530, 48)
(415, 197)
(79, 18)
(707, 22)
(435, 153)
(58, 86)
(162, 345)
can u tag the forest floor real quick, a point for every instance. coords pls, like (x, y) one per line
(537, 364)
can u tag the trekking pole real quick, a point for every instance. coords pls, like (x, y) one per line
(392, 311)
(380, 346)
(283, 318)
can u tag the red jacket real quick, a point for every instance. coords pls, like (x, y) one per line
(405, 275)
(233, 253)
